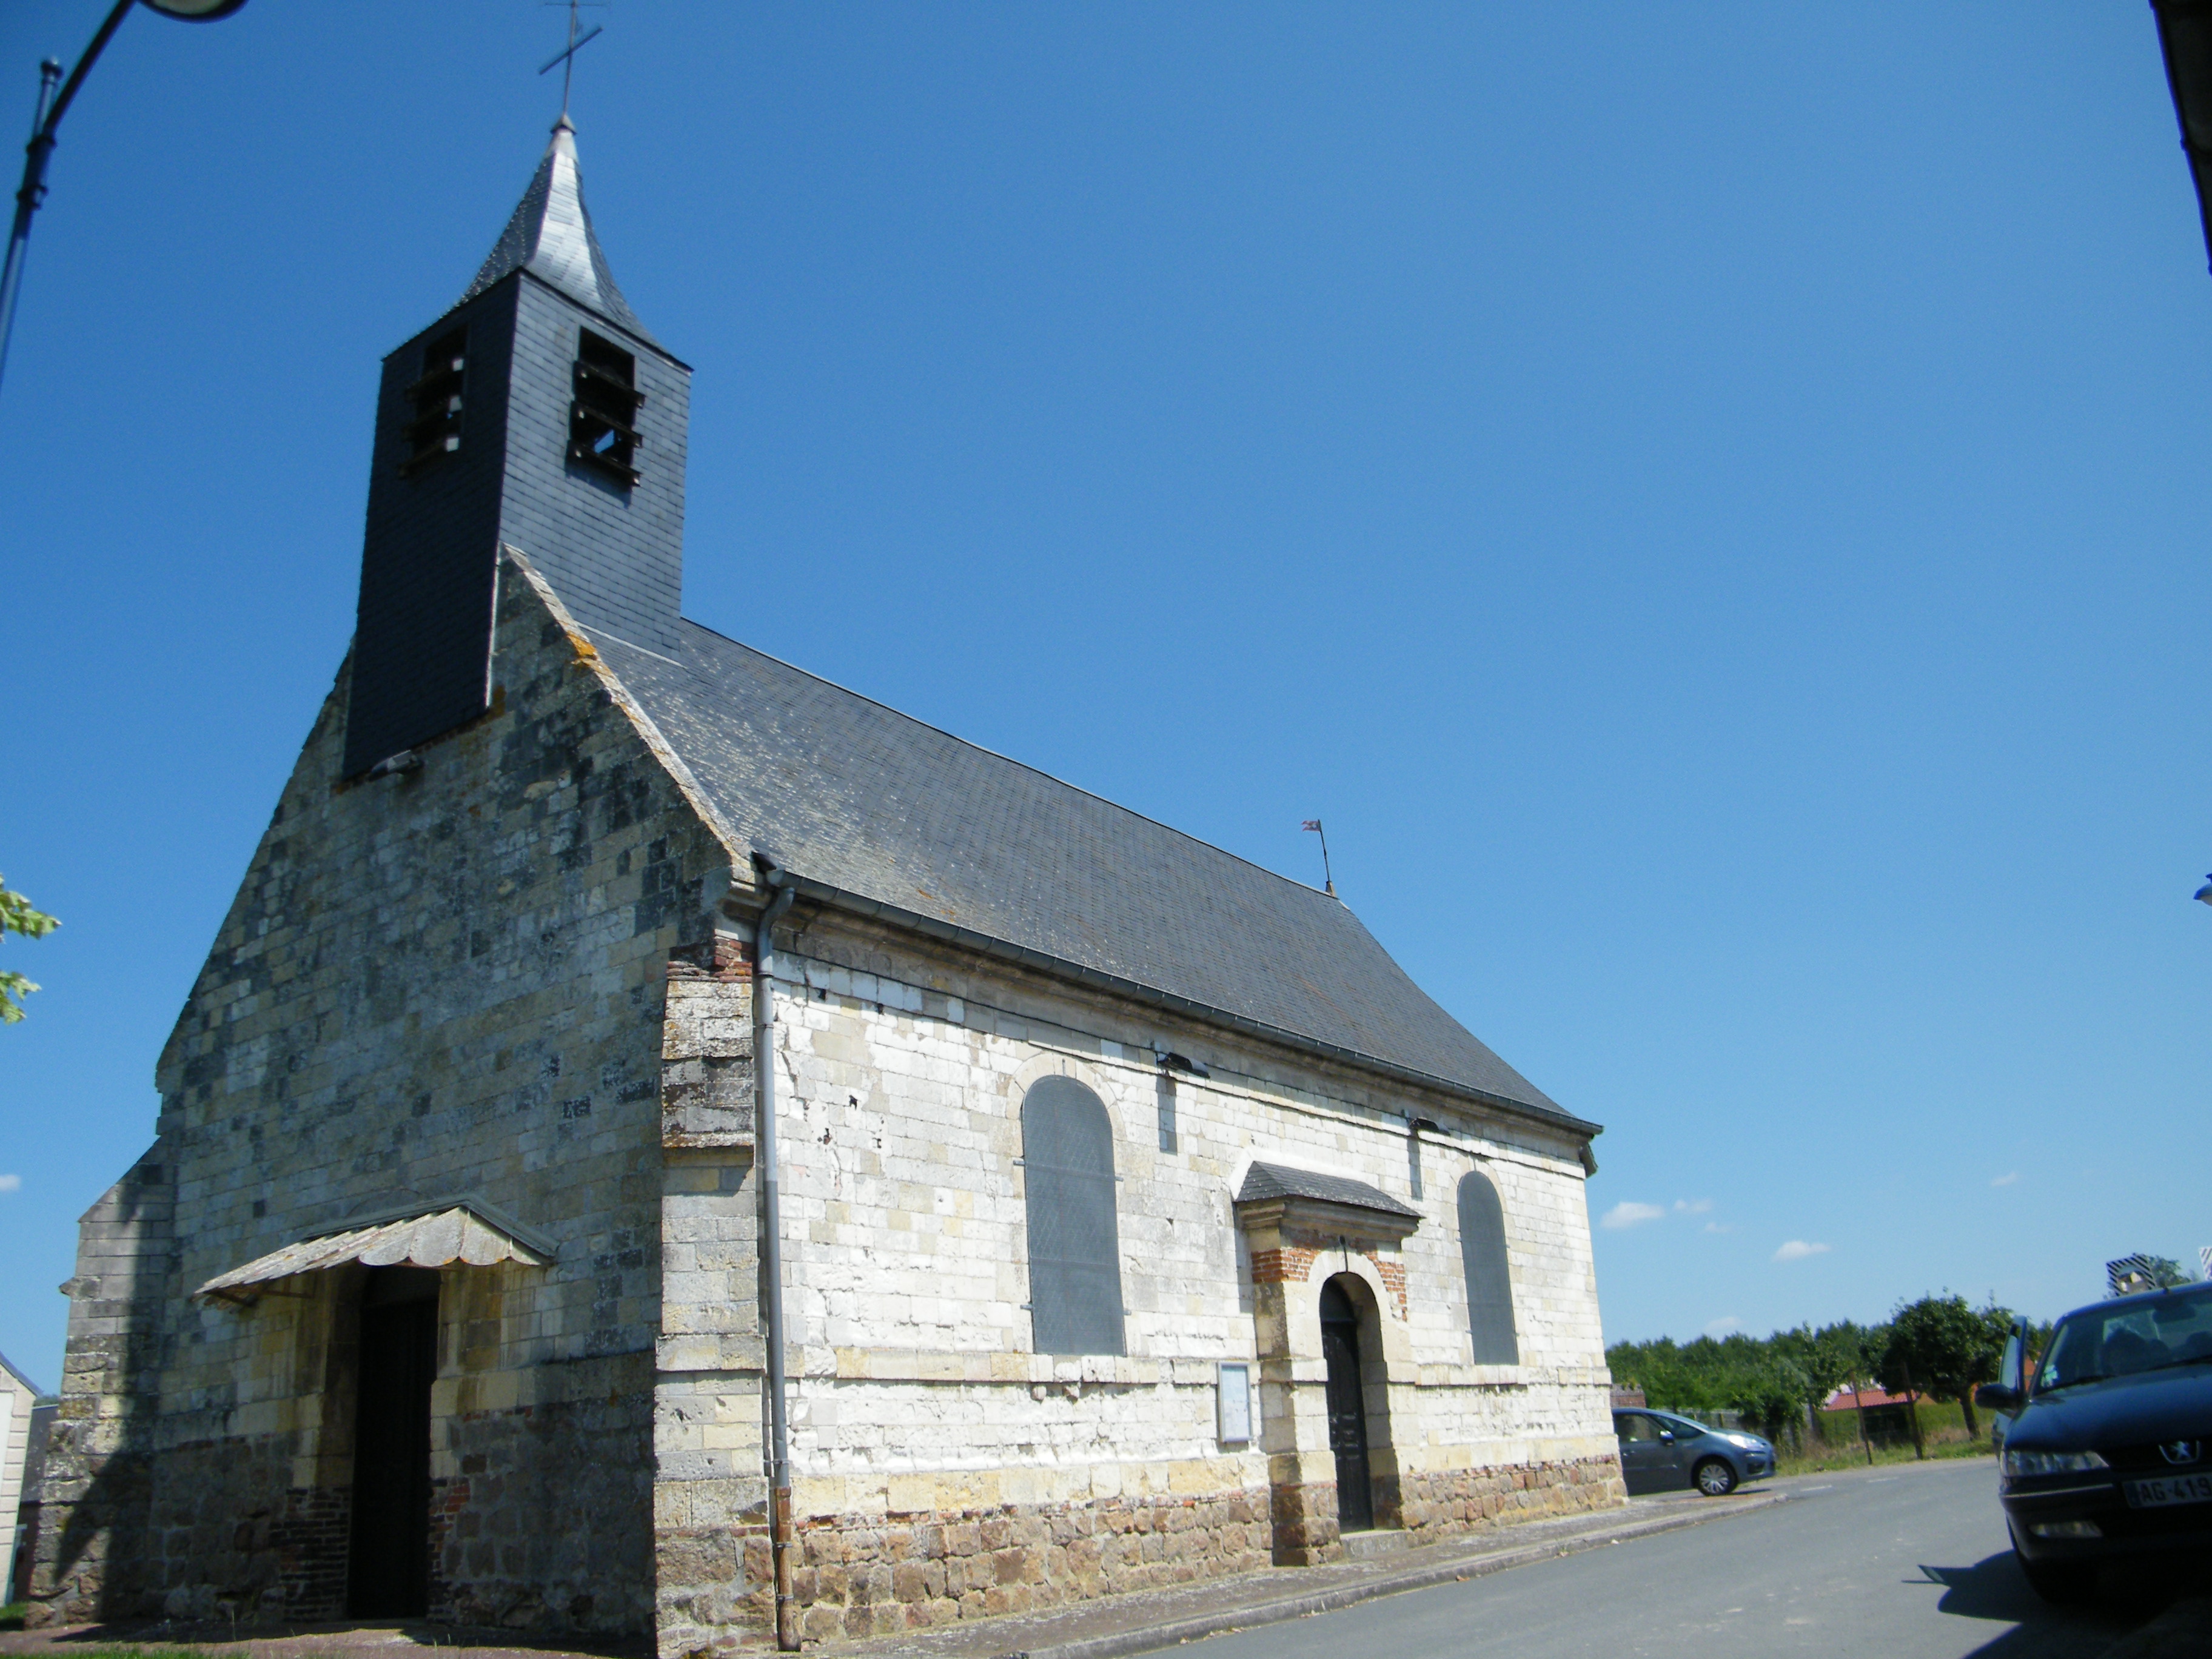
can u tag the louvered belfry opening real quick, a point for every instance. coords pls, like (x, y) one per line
(1489, 1278)
(603, 417)
(434, 429)
(1075, 1246)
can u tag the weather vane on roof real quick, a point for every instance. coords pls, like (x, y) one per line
(1328, 880)
(567, 55)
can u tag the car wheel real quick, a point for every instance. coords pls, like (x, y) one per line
(1715, 1477)
(2061, 1583)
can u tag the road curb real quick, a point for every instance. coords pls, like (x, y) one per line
(1280, 1609)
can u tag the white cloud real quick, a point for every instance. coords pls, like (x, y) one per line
(11, 1183)
(1692, 1206)
(1716, 1227)
(1723, 1325)
(1797, 1249)
(1628, 1213)
(2007, 1179)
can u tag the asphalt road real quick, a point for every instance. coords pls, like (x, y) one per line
(1904, 1562)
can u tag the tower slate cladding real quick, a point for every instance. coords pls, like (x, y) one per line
(539, 414)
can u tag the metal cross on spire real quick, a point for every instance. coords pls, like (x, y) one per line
(567, 55)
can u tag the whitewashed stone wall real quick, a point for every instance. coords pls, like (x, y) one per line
(917, 1405)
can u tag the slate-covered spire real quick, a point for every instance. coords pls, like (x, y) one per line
(550, 237)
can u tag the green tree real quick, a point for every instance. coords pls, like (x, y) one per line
(2165, 1272)
(17, 916)
(1942, 1348)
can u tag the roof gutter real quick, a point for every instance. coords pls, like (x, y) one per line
(838, 898)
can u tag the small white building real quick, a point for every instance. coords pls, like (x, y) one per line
(24, 1413)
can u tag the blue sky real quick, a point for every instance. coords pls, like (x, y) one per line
(1708, 503)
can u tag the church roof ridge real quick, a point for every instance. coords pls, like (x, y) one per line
(549, 235)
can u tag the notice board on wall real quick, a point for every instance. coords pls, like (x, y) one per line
(1234, 1397)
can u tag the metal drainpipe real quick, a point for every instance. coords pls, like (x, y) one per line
(779, 1508)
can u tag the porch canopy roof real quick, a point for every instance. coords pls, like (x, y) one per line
(1275, 1196)
(465, 1230)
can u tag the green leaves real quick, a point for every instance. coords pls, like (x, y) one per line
(1943, 1345)
(1768, 1379)
(17, 915)
(1947, 1345)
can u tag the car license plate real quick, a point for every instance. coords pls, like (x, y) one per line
(2173, 1489)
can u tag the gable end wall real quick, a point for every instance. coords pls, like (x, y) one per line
(446, 981)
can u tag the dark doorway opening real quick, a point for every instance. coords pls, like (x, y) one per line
(388, 1563)
(1347, 1408)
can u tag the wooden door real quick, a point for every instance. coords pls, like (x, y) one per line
(1347, 1409)
(388, 1565)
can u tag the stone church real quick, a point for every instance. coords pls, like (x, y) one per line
(663, 1145)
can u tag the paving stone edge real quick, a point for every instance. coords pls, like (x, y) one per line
(1276, 1611)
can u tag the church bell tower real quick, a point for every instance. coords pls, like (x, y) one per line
(537, 413)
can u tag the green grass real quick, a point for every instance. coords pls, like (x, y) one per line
(11, 1615)
(1817, 1458)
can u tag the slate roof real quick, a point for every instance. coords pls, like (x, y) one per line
(549, 235)
(857, 797)
(1267, 1181)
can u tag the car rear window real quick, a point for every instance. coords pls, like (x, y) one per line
(2123, 1340)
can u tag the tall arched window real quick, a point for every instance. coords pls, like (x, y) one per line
(1075, 1248)
(1489, 1283)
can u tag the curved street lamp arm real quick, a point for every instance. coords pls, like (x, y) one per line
(33, 189)
(76, 75)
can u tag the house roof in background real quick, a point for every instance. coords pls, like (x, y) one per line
(857, 797)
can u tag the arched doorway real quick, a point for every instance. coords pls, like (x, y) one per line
(1347, 1402)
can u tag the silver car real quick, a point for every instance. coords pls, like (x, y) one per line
(1661, 1452)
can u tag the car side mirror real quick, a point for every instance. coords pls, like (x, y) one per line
(1996, 1397)
(1666, 1435)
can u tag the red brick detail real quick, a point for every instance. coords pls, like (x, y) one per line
(1287, 1266)
(1393, 1278)
(725, 958)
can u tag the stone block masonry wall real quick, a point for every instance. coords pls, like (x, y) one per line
(537, 1510)
(94, 1513)
(444, 981)
(1447, 1501)
(875, 1575)
(712, 1571)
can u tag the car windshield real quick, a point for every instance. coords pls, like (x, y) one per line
(2123, 1340)
(1686, 1429)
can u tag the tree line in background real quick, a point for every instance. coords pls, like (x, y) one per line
(1938, 1346)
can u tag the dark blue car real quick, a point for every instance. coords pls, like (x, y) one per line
(2109, 1449)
